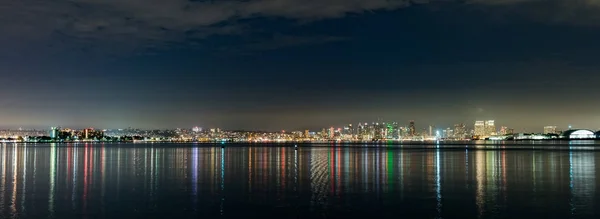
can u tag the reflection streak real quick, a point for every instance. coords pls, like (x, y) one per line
(195, 176)
(13, 206)
(3, 177)
(53, 162)
(438, 184)
(24, 179)
(222, 179)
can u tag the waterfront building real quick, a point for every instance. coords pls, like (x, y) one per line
(331, 132)
(550, 130)
(490, 128)
(430, 131)
(351, 129)
(460, 131)
(503, 130)
(395, 131)
(89, 134)
(54, 131)
(510, 131)
(579, 134)
(480, 128)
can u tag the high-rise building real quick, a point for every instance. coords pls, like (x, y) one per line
(395, 131)
(411, 128)
(550, 130)
(379, 130)
(351, 129)
(480, 128)
(359, 130)
(449, 133)
(331, 132)
(371, 130)
(460, 131)
(346, 130)
(430, 131)
(490, 128)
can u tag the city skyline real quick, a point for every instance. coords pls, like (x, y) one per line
(478, 127)
(297, 65)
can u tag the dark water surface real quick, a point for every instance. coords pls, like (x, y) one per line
(183, 181)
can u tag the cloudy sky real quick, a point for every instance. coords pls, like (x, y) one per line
(296, 64)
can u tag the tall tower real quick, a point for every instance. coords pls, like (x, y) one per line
(411, 128)
(480, 128)
(331, 132)
(460, 130)
(351, 129)
(490, 128)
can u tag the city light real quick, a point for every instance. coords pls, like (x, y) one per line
(361, 132)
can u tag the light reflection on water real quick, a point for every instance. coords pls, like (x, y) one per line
(157, 181)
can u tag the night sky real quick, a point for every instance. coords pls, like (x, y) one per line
(297, 64)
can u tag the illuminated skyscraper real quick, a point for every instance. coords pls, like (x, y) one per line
(550, 130)
(449, 133)
(490, 128)
(379, 130)
(430, 131)
(460, 131)
(395, 131)
(351, 129)
(480, 128)
(411, 128)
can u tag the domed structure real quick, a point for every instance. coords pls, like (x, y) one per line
(579, 134)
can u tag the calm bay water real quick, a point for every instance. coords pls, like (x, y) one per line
(187, 181)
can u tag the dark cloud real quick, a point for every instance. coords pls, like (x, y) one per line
(563, 12)
(158, 20)
(155, 22)
(279, 41)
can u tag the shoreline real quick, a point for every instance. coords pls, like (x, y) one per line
(395, 144)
